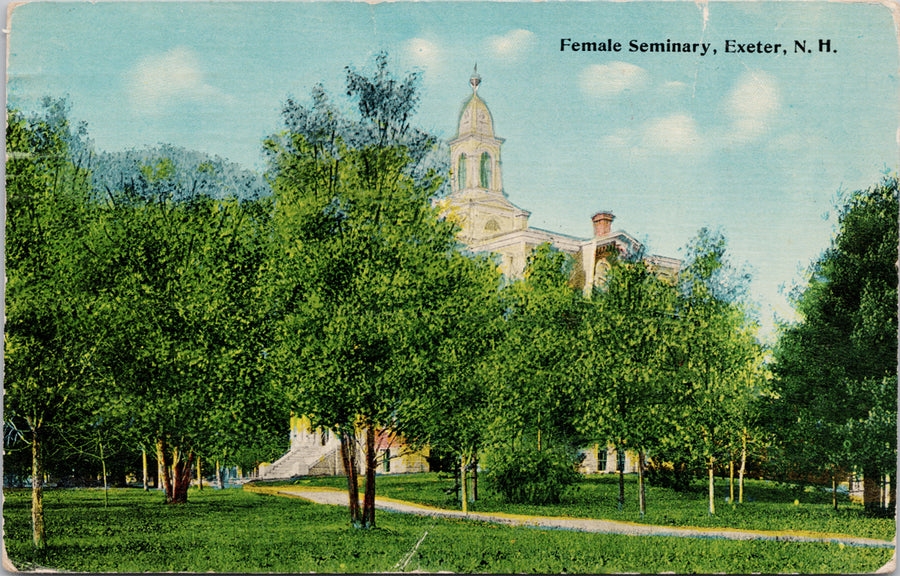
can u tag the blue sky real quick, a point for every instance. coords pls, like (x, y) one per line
(757, 145)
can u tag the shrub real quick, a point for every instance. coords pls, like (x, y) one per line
(667, 475)
(531, 476)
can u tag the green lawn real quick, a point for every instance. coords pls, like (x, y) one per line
(767, 505)
(237, 531)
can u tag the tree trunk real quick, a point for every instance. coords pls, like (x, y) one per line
(642, 496)
(871, 491)
(464, 496)
(712, 487)
(160, 466)
(105, 484)
(144, 458)
(164, 468)
(348, 457)
(621, 480)
(181, 471)
(834, 490)
(892, 492)
(743, 467)
(475, 477)
(731, 481)
(218, 476)
(199, 474)
(37, 491)
(368, 513)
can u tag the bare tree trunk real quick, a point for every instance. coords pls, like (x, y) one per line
(642, 496)
(731, 481)
(834, 489)
(621, 479)
(39, 533)
(892, 492)
(474, 476)
(144, 458)
(368, 519)
(870, 489)
(712, 487)
(164, 467)
(743, 467)
(181, 470)
(105, 485)
(464, 482)
(348, 456)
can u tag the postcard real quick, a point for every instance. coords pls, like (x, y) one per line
(451, 286)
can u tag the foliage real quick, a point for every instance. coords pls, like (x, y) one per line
(535, 388)
(836, 371)
(529, 476)
(364, 275)
(239, 532)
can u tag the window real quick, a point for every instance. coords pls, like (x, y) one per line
(485, 170)
(601, 460)
(461, 172)
(492, 226)
(386, 460)
(620, 460)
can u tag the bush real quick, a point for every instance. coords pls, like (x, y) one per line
(666, 475)
(532, 477)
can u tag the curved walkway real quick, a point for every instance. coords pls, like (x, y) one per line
(339, 498)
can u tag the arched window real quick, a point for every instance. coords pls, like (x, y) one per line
(492, 226)
(461, 172)
(485, 170)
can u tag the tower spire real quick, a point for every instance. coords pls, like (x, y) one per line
(475, 79)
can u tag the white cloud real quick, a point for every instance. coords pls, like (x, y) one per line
(676, 133)
(158, 82)
(512, 44)
(752, 105)
(423, 52)
(608, 80)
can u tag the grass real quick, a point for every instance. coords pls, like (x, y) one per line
(236, 531)
(767, 505)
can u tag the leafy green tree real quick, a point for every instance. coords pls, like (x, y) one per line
(836, 369)
(176, 282)
(719, 350)
(451, 412)
(362, 264)
(47, 351)
(627, 363)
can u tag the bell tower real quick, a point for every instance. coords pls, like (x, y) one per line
(475, 152)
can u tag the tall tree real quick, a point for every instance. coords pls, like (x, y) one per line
(719, 349)
(361, 265)
(47, 350)
(627, 364)
(836, 369)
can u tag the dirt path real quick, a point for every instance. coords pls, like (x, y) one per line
(339, 498)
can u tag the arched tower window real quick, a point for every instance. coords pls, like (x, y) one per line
(461, 172)
(485, 170)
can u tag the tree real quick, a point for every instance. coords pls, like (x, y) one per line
(176, 280)
(719, 350)
(362, 263)
(46, 345)
(835, 369)
(627, 366)
(534, 388)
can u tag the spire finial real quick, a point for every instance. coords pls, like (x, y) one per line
(475, 79)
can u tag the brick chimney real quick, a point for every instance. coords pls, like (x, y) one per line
(602, 223)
